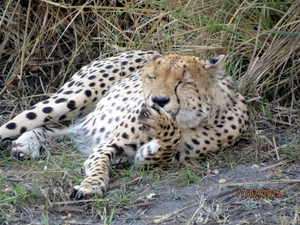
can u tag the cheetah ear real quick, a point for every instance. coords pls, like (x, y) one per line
(215, 64)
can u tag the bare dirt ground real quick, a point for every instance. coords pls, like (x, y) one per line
(240, 185)
(209, 202)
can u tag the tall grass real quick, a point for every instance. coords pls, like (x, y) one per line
(43, 44)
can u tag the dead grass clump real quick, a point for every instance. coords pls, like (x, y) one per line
(43, 44)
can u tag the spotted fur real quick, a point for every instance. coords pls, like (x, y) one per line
(140, 105)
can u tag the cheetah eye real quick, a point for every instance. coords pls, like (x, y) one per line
(186, 82)
(151, 77)
(186, 79)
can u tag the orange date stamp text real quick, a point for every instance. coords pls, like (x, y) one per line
(258, 193)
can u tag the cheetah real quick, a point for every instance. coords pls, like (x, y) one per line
(153, 109)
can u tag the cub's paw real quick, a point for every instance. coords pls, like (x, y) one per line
(87, 189)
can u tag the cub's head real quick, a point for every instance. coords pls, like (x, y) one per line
(183, 86)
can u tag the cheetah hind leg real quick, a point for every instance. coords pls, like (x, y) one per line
(159, 125)
(30, 142)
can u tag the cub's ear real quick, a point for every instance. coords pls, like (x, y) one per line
(215, 63)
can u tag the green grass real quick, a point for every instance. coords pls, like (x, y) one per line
(188, 176)
(173, 194)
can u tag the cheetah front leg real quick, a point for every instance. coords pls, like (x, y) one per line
(96, 172)
(151, 122)
(124, 141)
(159, 125)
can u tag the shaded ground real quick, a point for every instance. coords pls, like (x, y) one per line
(204, 202)
(244, 185)
(210, 202)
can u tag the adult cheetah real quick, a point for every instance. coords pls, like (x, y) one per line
(151, 108)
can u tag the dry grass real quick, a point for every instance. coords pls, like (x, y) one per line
(43, 44)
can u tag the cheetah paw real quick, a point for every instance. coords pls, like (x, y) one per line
(86, 190)
(148, 116)
(26, 146)
(153, 119)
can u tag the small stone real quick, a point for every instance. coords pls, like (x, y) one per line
(222, 181)
(254, 166)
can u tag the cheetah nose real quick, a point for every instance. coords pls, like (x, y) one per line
(161, 101)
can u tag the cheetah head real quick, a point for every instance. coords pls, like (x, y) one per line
(184, 86)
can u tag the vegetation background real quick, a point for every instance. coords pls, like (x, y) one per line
(44, 42)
